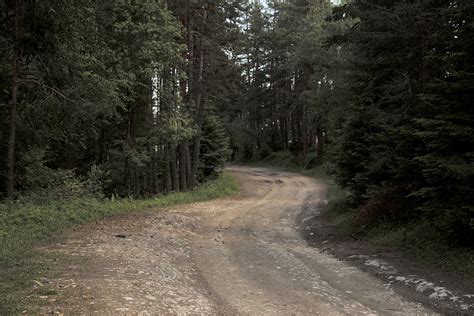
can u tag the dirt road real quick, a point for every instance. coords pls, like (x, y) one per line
(241, 255)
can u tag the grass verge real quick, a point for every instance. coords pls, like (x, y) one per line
(24, 223)
(420, 239)
(423, 241)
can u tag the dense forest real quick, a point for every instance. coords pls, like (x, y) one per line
(139, 98)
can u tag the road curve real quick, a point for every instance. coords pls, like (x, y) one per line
(252, 255)
(240, 255)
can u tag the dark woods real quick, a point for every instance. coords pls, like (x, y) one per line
(135, 98)
(382, 91)
(112, 94)
(406, 148)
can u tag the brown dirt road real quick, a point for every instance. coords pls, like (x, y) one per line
(239, 255)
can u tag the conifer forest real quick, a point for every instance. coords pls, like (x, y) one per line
(133, 100)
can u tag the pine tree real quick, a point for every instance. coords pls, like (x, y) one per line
(406, 147)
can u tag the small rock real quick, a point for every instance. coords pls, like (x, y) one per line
(38, 283)
(151, 298)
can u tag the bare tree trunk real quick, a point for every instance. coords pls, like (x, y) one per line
(12, 138)
(194, 165)
(284, 131)
(182, 166)
(190, 29)
(167, 182)
(199, 114)
(130, 175)
(294, 134)
(187, 162)
(150, 175)
(320, 142)
(304, 132)
(154, 171)
(14, 104)
(174, 168)
(136, 182)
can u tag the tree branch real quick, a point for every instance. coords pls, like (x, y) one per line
(52, 89)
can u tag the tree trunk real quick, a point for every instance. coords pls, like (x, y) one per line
(189, 179)
(320, 142)
(167, 182)
(182, 166)
(154, 171)
(14, 104)
(199, 115)
(285, 136)
(174, 168)
(294, 134)
(190, 93)
(190, 28)
(12, 138)
(304, 132)
(195, 164)
(150, 174)
(130, 176)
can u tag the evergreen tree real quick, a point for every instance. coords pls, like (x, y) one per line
(405, 148)
(100, 84)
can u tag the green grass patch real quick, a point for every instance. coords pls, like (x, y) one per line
(25, 222)
(424, 241)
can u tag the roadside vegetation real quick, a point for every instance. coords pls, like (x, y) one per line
(35, 217)
(418, 238)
